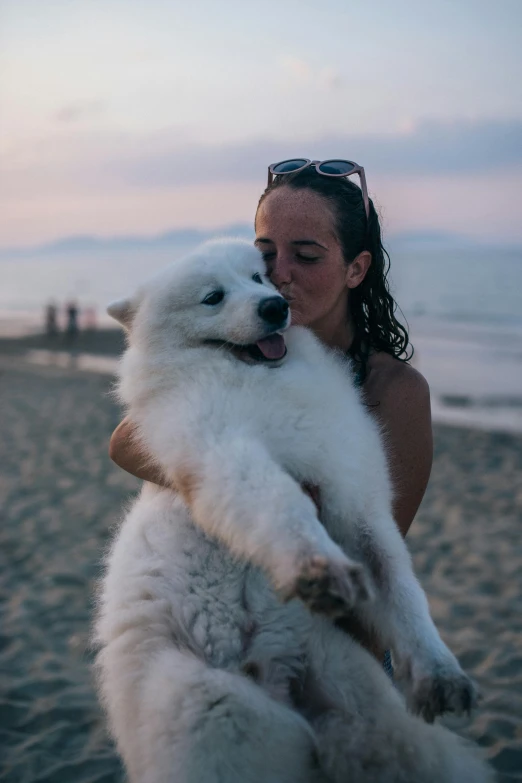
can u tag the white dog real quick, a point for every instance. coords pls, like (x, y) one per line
(209, 671)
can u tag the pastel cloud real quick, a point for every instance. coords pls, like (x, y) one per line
(428, 148)
(75, 112)
(168, 158)
(429, 174)
(301, 72)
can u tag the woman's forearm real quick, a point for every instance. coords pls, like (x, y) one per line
(124, 451)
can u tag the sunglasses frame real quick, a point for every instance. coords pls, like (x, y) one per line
(317, 163)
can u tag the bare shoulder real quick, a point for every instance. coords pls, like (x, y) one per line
(392, 382)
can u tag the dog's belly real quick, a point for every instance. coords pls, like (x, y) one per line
(222, 609)
(233, 614)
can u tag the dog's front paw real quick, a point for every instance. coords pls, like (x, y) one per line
(331, 586)
(446, 688)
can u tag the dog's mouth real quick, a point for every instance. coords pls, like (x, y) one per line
(268, 350)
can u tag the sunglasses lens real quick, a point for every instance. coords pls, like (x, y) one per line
(340, 167)
(289, 165)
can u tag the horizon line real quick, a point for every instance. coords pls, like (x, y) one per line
(427, 234)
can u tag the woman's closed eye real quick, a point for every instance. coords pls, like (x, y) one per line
(305, 259)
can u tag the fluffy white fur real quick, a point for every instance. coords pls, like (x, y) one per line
(212, 666)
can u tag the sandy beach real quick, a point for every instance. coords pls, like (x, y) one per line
(60, 495)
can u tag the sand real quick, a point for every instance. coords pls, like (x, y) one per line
(60, 495)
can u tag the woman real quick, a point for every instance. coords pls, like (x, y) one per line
(320, 237)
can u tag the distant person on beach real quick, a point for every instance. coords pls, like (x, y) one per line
(320, 237)
(51, 322)
(71, 311)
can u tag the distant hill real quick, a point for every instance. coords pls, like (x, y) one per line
(431, 238)
(88, 245)
(81, 246)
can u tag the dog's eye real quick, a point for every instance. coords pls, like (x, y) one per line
(256, 277)
(214, 298)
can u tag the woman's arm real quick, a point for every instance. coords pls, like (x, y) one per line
(404, 410)
(399, 397)
(124, 451)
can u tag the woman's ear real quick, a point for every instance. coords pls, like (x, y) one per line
(357, 270)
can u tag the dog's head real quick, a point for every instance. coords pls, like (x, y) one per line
(219, 296)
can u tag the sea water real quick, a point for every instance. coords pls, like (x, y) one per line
(462, 305)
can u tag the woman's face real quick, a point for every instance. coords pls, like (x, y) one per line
(295, 233)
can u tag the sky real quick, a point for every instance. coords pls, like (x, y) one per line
(126, 117)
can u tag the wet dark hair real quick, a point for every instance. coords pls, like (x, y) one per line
(371, 304)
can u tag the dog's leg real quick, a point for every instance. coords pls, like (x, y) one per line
(400, 616)
(394, 746)
(176, 720)
(238, 494)
(363, 729)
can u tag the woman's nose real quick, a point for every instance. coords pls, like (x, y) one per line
(280, 273)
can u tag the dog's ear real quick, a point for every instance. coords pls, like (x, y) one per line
(122, 311)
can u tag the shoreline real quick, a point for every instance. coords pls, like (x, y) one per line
(103, 342)
(98, 351)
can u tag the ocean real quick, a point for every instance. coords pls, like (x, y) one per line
(464, 309)
(462, 304)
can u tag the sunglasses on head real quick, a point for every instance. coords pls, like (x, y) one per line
(328, 168)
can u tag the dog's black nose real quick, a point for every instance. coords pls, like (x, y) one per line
(273, 310)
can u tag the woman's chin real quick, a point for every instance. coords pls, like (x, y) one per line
(297, 318)
(300, 321)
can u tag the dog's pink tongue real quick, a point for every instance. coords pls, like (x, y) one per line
(272, 347)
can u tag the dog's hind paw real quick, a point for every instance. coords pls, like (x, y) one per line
(330, 586)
